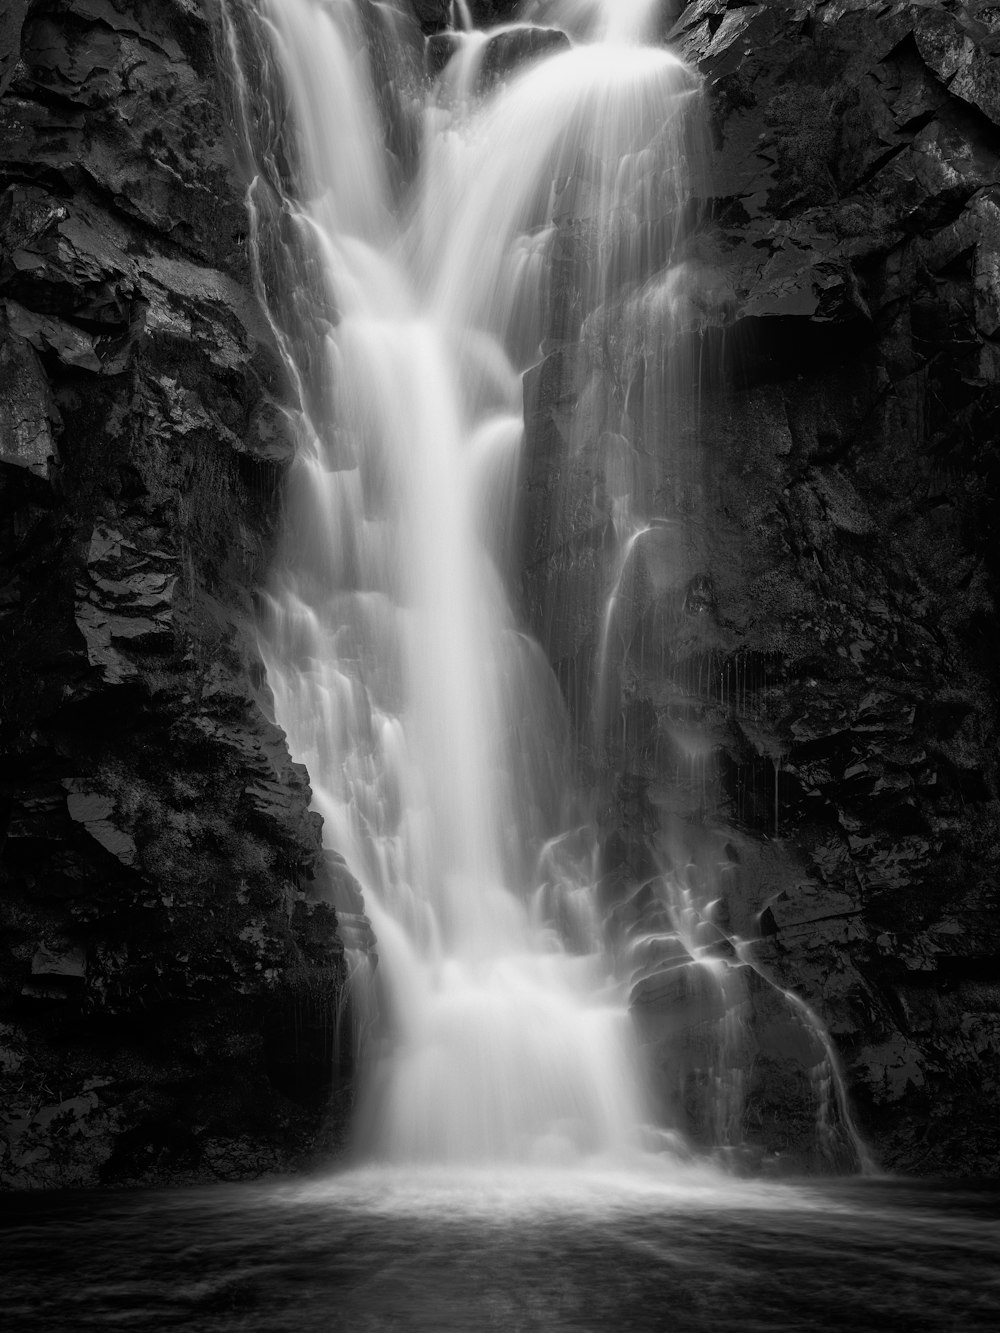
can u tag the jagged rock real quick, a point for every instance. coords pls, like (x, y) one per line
(56, 972)
(485, 13)
(155, 824)
(875, 618)
(511, 49)
(676, 998)
(432, 15)
(93, 811)
(440, 48)
(834, 697)
(167, 162)
(505, 52)
(12, 14)
(28, 415)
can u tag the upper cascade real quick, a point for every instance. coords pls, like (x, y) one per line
(630, 21)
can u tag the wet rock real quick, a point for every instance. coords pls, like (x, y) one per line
(439, 49)
(873, 634)
(28, 415)
(512, 49)
(824, 680)
(485, 13)
(677, 998)
(12, 14)
(432, 15)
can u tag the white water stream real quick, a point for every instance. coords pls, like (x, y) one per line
(411, 242)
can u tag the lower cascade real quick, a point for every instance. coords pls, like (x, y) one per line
(432, 250)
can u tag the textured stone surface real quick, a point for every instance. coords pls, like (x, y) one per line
(860, 237)
(510, 51)
(432, 15)
(826, 634)
(169, 974)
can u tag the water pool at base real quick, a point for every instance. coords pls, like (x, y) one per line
(371, 1251)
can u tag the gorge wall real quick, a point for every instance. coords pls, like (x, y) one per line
(169, 966)
(169, 975)
(834, 625)
(852, 539)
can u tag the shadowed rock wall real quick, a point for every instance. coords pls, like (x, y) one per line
(830, 627)
(168, 974)
(856, 198)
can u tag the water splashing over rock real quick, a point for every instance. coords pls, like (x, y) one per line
(546, 215)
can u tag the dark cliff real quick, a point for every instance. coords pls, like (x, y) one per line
(169, 978)
(856, 193)
(829, 626)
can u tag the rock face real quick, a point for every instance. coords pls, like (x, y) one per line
(487, 12)
(511, 50)
(805, 692)
(169, 973)
(857, 175)
(432, 15)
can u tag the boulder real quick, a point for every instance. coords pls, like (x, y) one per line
(512, 48)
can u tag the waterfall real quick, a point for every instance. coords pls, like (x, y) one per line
(630, 21)
(419, 250)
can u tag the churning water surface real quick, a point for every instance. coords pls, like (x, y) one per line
(369, 1251)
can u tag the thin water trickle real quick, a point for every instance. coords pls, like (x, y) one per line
(461, 18)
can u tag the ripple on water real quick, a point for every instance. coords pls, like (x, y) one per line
(511, 1253)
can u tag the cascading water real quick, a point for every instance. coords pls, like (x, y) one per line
(432, 727)
(415, 253)
(630, 21)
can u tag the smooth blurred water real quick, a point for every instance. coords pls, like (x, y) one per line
(369, 1252)
(427, 251)
(408, 297)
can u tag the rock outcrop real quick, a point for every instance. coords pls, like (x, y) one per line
(169, 971)
(805, 690)
(856, 190)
